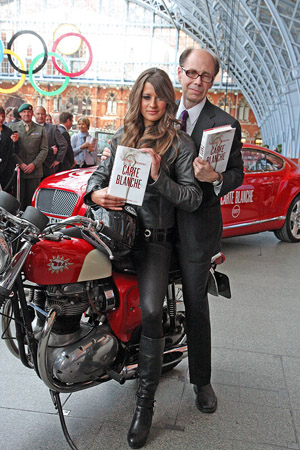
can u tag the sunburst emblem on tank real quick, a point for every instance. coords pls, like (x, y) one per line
(58, 264)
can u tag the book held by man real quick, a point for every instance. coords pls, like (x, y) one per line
(216, 145)
(130, 173)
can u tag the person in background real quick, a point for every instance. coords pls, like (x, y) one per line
(57, 145)
(150, 125)
(33, 150)
(200, 232)
(8, 148)
(9, 115)
(16, 115)
(48, 118)
(85, 153)
(65, 124)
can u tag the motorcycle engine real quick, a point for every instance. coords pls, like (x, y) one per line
(79, 351)
(72, 300)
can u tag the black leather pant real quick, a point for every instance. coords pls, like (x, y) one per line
(152, 262)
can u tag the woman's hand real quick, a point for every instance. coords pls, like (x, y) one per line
(155, 162)
(106, 200)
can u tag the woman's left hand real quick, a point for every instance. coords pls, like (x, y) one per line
(155, 163)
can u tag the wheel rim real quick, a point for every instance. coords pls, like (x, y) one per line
(295, 220)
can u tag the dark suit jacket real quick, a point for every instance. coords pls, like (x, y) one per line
(200, 232)
(7, 156)
(68, 162)
(54, 137)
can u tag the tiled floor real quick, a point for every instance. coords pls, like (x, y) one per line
(256, 374)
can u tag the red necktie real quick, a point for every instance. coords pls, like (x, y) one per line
(184, 117)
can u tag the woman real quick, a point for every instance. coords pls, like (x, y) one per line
(9, 115)
(150, 125)
(48, 118)
(85, 153)
(7, 153)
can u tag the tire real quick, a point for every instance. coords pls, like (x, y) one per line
(290, 232)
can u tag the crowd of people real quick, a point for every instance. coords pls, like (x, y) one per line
(181, 207)
(30, 140)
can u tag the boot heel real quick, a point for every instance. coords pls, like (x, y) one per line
(140, 426)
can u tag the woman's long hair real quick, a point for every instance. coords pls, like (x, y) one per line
(159, 136)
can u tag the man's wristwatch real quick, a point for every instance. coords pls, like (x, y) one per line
(219, 180)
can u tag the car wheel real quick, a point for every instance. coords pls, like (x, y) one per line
(290, 232)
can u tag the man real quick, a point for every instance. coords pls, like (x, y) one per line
(200, 232)
(33, 150)
(57, 145)
(8, 148)
(65, 124)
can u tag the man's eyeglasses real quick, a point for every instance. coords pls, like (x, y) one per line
(194, 75)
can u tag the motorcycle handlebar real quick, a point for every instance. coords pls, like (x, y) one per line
(75, 220)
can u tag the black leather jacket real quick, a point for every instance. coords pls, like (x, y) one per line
(176, 185)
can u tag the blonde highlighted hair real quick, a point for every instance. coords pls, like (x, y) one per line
(159, 136)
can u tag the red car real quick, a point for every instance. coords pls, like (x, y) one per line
(268, 200)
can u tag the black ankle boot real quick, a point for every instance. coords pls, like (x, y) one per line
(141, 423)
(150, 363)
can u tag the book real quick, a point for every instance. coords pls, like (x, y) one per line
(216, 145)
(130, 173)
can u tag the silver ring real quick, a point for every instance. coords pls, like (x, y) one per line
(147, 233)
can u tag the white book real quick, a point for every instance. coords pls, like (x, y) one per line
(215, 146)
(130, 173)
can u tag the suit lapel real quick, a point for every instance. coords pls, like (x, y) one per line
(205, 120)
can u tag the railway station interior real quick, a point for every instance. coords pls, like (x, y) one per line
(255, 333)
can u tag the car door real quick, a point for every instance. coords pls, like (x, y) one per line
(249, 206)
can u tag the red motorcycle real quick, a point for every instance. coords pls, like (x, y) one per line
(70, 299)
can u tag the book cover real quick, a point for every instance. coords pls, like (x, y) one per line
(216, 145)
(130, 173)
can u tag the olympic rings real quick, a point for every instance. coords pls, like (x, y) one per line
(19, 33)
(1, 50)
(45, 54)
(49, 93)
(21, 82)
(74, 74)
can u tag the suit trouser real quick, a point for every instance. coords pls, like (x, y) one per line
(194, 286)
(152, 261)
(27, 188)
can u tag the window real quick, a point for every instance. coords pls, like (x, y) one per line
(243, 111)
(256, 161)
(111, 107)
(73, 104)
(86, 105)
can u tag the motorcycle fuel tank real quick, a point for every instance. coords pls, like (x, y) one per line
(65, 261)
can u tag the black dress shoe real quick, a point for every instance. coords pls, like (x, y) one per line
(206, 400)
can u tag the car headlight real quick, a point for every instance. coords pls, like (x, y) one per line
(5, 253)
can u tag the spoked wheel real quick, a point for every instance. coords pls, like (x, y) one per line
(9, 332)
(290, 232)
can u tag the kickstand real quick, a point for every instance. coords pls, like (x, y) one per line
(57, 403)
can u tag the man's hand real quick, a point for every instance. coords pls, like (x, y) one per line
(14, 137)
(54, 149)
(106, 153)
(106, 200)
(54, 164)
(203, 171)
(29, 168)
